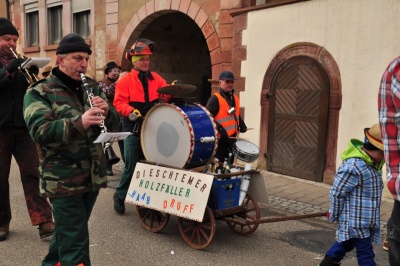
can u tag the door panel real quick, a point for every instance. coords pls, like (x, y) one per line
(298, 119)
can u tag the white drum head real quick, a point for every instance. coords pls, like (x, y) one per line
(165, 136)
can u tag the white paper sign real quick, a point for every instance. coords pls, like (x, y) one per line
(39, 62)
(112, 136)
(174, 191)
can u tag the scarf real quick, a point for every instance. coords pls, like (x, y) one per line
(4, 61)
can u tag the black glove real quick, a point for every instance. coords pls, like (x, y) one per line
(33, 69)
(243, 130)
(14, 64)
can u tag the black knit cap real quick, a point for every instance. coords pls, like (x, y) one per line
(73, 43)
(6, 27)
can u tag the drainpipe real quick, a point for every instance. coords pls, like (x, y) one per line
(8, 8)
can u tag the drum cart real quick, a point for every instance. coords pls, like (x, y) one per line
(181, 136)
(243, 219)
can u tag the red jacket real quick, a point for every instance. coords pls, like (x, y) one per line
(129, 92)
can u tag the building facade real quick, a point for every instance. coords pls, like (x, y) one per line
(308, 70)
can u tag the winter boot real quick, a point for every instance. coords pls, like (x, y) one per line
(329, 261)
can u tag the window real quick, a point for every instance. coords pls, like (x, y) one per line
(32, 29)
(81, 17)
(54, 21)
(82, 23)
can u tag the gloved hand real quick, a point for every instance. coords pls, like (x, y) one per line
(33, 69)
(135, 115)
(137, 112)
(14, 64)
(243, 130)
(328, 215)
(176, 82)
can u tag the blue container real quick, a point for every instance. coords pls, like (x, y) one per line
(224, 194)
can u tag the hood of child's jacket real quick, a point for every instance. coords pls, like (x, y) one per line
(354, 151)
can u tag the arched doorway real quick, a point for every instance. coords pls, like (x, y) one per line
(300, 100)
(183, 54)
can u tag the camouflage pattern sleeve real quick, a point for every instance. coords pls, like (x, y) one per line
(50, 116)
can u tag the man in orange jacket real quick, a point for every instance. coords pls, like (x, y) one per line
(224, 105)
(135, 93)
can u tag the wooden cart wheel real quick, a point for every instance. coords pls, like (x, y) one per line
(252, 212)
(198, 235)
(152, 220)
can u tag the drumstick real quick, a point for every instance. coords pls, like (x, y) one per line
(238, 138)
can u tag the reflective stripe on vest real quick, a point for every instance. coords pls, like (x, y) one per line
(225, 119)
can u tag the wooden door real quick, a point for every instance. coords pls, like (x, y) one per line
(298, 119)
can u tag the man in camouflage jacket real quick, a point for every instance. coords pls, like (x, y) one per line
(61, 120)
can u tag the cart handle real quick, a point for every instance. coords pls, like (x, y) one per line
(272, 220)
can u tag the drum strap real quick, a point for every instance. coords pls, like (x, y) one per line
(143, 79)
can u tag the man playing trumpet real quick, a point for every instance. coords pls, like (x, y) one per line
(15, 140)
(60, 118)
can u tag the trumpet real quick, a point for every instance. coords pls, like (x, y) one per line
(30, 77)
(111, 157)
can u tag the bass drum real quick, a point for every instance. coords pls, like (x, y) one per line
(180, 136)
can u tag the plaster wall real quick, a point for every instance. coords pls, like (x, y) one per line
(3, 9)
(101, 39)
(359, 34)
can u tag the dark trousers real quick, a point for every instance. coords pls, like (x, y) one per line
(133, 154)
(225, 146)
(393, 233)
(70, 242)
(15, 141)
(364, 250)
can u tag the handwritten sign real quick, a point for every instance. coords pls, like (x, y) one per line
(174, 191)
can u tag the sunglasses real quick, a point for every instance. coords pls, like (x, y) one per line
(229, 81)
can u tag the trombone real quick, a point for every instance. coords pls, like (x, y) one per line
(30, 77)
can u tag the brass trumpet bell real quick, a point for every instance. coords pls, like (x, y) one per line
(30, 77)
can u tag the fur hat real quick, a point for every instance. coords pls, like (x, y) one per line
(373, 137)
(6, 27)
(73, 43)
(109, 66)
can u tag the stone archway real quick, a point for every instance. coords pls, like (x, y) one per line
(149, 12)
(194, 73)
(323, 57)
